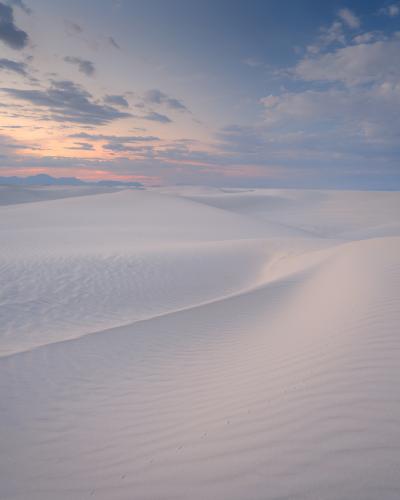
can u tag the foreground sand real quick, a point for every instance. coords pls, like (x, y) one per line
(199, 344)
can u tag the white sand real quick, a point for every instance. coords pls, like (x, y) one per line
(193, 343)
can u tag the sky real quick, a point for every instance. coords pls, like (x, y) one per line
(249, 93)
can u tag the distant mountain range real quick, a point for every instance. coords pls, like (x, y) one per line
(48, 180)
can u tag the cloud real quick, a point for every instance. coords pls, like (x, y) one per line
(349, 18)
(345, 110)
(116, 100)
(155, 96)
(354, 64)
(339, 118)
(10, 34)
(113, 43)
(82, 146)
(21, 5)
(157, 117)
(120, 143)
(253, 62)
(328, 36)
(84, 66)
(115, 147)
(114, 138)
(334, 34)
(119, 147)
(14, 66)
(9, 145)
(369, 37)
(299, 108)
(72, 28)
(392, 10)
(68, 102)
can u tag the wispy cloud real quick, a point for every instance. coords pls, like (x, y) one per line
(155, 96)
(84, 66)
(157, 117)
(114, 138)
(22, 5)
(120, 143)
(334, 34)
(14, 66)
(113, 43)
(120, 147)
(349, 18)
(72, 28)
(392, 10)
(116, 100)
(331, 35)
(253, 62)
(82, 146)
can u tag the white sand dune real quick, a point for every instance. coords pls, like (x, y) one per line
(11, 195)
(201, 343)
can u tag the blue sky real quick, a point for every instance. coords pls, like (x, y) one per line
(229, 93)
